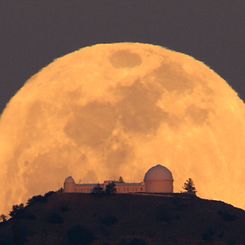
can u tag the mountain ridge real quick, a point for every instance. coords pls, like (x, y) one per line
(124, 219)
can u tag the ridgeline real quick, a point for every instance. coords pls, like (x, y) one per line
(123, 219)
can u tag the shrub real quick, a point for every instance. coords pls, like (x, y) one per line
(133, 241)
(208, 235)
(40, 198)
(28, 215)
(163, 214)
(20, 233)
(121, 180)
(231, 242)
(35, 199)
(55, 218)
(111, 188)
(64, 208)
(3, 218)
(221, 234)
(226, 216)
(179, 204)
(20, 212)
(48, 194)
(6, 240)
(79, 235)
(97, 189)
(109, 220)
(17, 211)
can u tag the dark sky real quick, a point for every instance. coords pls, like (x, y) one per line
(34, 32)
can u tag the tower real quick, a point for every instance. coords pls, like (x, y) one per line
(69, 185)
(158, 179)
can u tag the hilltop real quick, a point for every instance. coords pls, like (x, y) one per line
(123, 219)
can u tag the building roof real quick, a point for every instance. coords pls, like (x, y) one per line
(118, 184)
(69, 180)
(158, 172)
(87, 185)
(129, 184)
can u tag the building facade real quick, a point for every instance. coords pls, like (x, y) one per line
(158, 179)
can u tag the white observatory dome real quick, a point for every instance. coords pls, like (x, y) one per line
(158, 179)
(69, 180)
(158, 172)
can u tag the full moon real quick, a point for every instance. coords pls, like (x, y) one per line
(113, 110)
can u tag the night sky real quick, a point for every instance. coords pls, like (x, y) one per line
(35, 32)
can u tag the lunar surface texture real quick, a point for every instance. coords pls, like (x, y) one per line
(113, 110)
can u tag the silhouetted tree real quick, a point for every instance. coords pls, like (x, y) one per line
(109, 220)
(21, 232)
(35, 199)
(50, 193)
(78, 234)
(64, 208)
(17, 211)
(121, 179)
(97, 189)
(111, 188)
(55, 218)
(3, 218)
(132, 241)
(189, 187)
(226, 216)
(208, 234)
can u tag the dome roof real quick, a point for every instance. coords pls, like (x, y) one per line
(158, 172)
(69, 180)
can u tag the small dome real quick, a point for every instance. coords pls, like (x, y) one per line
(69, 180)
(158, 172)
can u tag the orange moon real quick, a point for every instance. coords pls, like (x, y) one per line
(113, 110)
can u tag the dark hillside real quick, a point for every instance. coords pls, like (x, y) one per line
(122, 219)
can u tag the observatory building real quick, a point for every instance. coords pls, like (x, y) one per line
(158, 179)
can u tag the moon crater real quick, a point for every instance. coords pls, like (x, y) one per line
(138, 110)
(198, 115)
(92, 124)
(173, 78)
(125, 59)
